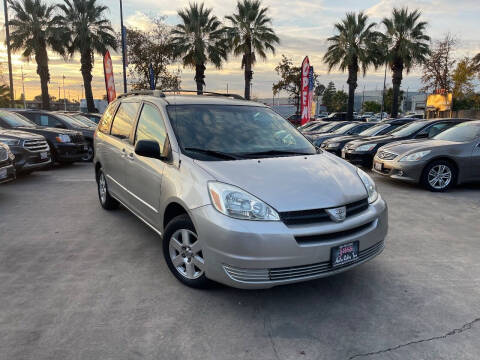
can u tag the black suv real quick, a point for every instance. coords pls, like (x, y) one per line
(31, 151)
(336, 144)
(336, 116)
(65, 145)
(7, 168)
(62, 121)
(362, 151)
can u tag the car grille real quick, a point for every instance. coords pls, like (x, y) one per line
(77, 138)
(36, 145)
(319, 215)
(386, 155)
(297, 272)
(308, 239)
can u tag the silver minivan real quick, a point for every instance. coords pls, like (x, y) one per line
(237, 194)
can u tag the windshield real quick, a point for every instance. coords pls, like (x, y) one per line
(84, 120)
(464, 132)
(332, 125)
(344, 129)
(408, 129)
(15, 120)
(373, 130)
(70, 120)
(234, 130)
(316, 127)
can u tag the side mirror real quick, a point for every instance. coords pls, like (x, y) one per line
(150, 149)
(60, 126)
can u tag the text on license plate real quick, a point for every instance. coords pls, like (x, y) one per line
(344, 254)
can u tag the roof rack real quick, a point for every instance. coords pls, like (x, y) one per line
(161, 93)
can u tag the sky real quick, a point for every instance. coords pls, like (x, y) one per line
(302, 26)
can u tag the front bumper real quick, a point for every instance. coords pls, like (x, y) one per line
(26, 160)
(253, 255)
(70, 152)
(358, 158)
(7, 173)
(405, 171)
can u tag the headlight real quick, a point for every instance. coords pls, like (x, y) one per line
(416, 156)
(63, 138)
(369, 185)
(366, 147)
(9, 141)
(238, 204)
(332, 145)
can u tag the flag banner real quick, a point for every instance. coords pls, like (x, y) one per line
(304, 90)
(151, 77)
(109, 81)
(311, 85)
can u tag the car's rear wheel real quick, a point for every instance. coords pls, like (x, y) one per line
(107, 202)
(439, 175)
(184, 253)
(89, 154)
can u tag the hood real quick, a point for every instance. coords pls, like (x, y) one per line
(402, 147)
(342, 138)
(18, 134)
(41, 130)
(324, 136)
(292, 183)
(373, 139)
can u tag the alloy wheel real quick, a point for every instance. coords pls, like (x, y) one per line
(186, 254)
(89, 155)
(439, 176)
(102, 188)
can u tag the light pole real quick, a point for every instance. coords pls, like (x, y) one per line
(64, 100)
(23, 90)
(124, 60)
(9, 56)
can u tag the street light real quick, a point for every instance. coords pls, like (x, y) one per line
(9, 56)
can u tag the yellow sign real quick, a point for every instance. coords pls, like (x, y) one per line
(439, 102)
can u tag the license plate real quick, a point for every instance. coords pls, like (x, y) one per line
(3, 173)
(378, 166)
(43, 155)
(344, 254)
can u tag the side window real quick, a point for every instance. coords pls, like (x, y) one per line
(151, 127)
(31, 116)
(438, 128)
(106, 120)
(47, 120)
(388, 129)
(124, 119)
(359, 129)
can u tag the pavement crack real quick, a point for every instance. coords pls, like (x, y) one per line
(456, 331)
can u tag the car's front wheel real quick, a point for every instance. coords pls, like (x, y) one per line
(89, 154)
(107, 202)
(183, 252)
(439, 175)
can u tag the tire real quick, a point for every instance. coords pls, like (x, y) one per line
(183, 253)
(439, 176)
(89, 155)
(106, 201)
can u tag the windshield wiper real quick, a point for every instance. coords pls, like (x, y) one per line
(218, 154)
(275, 152)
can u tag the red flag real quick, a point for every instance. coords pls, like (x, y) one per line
(109, 82)
(304, 94)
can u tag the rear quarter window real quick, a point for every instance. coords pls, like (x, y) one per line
(106, 120)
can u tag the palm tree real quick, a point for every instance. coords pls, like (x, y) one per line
(198, 40)
(353, 48)
(250, 34)
(407, 45)
(34, 29)
(89, 32)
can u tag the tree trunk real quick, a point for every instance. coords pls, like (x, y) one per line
(199, 77)
(247, 61)
(41, 58)
(86, 69)
(352, 85)
(397, 70)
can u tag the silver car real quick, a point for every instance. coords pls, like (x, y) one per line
(238, 195)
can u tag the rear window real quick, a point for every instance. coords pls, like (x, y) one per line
(464, 132)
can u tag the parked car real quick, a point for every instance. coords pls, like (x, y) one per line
(31, 151)
(213, 191)
(62, 121)
(7, 166)
(95, 117)
(315, 127)
(330, 127)
(351, 128)
(321, 115)
(82, 118)
(309, 124)
(295, 119)
(449, 158)
(335, 116)
(415, 116)
(66, 146)
(336, 144)
(362, 151)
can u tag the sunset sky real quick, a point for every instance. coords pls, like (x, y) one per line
(303, 27)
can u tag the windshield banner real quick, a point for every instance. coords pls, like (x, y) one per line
(109, 82)
(304, 93)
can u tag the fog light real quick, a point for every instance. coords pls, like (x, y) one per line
(400, 173)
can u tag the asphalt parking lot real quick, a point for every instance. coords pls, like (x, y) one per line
(77, 282)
